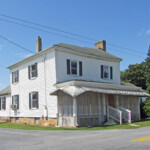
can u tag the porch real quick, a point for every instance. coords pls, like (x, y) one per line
(93, 106)
(94, 109)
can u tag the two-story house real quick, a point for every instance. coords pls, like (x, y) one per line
(68, 85)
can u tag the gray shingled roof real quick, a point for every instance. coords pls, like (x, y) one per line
(91, 52)
(75, 88)
(85, 50)
(5, 91)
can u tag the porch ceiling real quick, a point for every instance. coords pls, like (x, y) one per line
(75, 90)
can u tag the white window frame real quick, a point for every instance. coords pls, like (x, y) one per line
(31, 71)
(33, 100)
(15, 76)
(15, 100)
(77, 69)
(3, 98)
(104, 66)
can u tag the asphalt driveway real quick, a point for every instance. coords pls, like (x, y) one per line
(12, 139)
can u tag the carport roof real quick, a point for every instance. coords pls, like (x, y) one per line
(76, 88)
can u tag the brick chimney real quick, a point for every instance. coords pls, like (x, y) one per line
(38, 44)
(101, 45)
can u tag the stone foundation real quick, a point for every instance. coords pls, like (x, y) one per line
(4, 119)
(35, 121)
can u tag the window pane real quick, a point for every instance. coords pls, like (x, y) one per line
(34, 103)
(74, 71)
(3, 103)
(74, 67)
(33, 67)
(106, 72)
(16, 99)
(74, 64)
(33, 95)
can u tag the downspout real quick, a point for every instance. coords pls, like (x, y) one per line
(46, 107)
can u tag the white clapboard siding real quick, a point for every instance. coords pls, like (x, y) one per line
(25, 86)
(91, 68)
(6, 112)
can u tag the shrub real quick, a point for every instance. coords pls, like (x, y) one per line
(145, 109)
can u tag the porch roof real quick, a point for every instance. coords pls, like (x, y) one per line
(76, 88)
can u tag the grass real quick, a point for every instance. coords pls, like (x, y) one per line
(142, 123)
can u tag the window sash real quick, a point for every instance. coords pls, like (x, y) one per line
(3, 103)
(106, 72)
(33, 70)
(74, 68)
(34, 100)
(15, 77)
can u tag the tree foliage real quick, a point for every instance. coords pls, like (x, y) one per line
(135, 74)
(138, 74)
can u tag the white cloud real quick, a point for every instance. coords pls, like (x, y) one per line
(147, 32)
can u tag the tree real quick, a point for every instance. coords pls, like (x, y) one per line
(135, 74)
(148, 70)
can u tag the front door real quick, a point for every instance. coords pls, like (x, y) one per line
(111, 100)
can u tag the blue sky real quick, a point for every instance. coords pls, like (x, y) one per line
(120, 22)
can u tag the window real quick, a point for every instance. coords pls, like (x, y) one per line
(32, 71)
(33, 100)
(74, 67)
(15, 100)
(3, 103)
(106, 72)
(15, 76)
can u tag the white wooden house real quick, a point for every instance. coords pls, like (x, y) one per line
(68, 85)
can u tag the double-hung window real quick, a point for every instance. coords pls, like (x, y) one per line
(15, 101)
(3, 103)
(106, 72)
(32, 71)
(15, 76)
(74, 67)
(33, 100)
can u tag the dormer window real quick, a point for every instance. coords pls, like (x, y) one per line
(32, 71)
(15, 76)
(74, 67)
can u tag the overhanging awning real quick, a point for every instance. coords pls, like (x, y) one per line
(75, 91)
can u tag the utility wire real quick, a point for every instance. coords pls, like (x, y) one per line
(78, 35)
(6, 39)
(15, 44)
(48, 27)
(35, 28)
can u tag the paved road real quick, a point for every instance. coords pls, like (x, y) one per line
(11, 139)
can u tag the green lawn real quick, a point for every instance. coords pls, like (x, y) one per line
(143, 123)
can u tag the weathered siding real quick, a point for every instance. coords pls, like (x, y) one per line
(131, 103)
(43, 84)
(91, 68)
(91, 109)
(65, 107)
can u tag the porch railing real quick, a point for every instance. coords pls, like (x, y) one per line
(126, 114)
(115, 114)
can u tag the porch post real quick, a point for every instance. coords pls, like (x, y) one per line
(75, 111)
